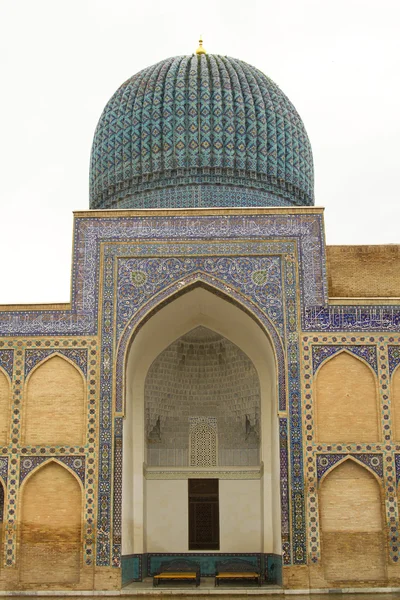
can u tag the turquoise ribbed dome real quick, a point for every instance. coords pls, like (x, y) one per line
(201, 130)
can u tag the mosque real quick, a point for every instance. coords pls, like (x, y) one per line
(222, 383)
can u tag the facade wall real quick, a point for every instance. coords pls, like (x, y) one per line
(336, 386)
(363, 271)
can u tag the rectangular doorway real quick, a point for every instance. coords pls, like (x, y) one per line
(203, 514)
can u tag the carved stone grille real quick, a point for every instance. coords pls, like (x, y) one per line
(203, 450)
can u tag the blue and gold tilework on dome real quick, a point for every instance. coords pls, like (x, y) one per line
(200, 131)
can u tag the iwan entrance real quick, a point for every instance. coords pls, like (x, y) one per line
(200, 439)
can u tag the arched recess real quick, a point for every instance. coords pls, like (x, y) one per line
(352, 524)
(5, 396)
(55, 403)
(346, 401)
(199, 307)
(50, 526)
(396, 403)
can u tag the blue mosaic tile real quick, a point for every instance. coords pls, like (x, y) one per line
(35, 356)
(326, 461)
(4, 468)
(7, 361)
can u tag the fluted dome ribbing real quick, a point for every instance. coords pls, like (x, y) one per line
(190, 122)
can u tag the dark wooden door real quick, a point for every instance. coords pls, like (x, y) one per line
(203, 514)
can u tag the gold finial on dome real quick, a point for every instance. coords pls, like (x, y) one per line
(200, 49)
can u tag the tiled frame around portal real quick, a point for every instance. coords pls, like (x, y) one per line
(22, 460)
(376, 350)
(210, 264)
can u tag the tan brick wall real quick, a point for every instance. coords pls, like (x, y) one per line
(346, 409)
(396, 404)
(50, 528)
(363, 271)
(353, 542)
(55, 404)
(4, 408)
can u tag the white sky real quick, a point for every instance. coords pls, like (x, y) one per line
(337, 60)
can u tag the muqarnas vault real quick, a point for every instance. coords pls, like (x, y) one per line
(221, 383)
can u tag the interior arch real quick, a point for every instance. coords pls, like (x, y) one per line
(199, 307)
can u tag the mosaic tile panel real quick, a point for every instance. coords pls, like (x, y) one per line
(75, 463)
(77, 356)
(4, 469)
(321, 353)
(89, 232)
(6, 361)
(285, 494)
(342, 318)
(139, 280)
(394, 358)
(326, 461)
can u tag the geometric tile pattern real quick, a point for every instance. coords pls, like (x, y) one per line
(345, 319)
(199, 120)
(82, 318)
(4, 469)
(284, 484)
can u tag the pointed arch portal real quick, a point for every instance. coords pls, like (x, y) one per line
(147, 499)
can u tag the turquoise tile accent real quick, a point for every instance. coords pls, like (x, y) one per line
(131, 568)
(207, 561)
